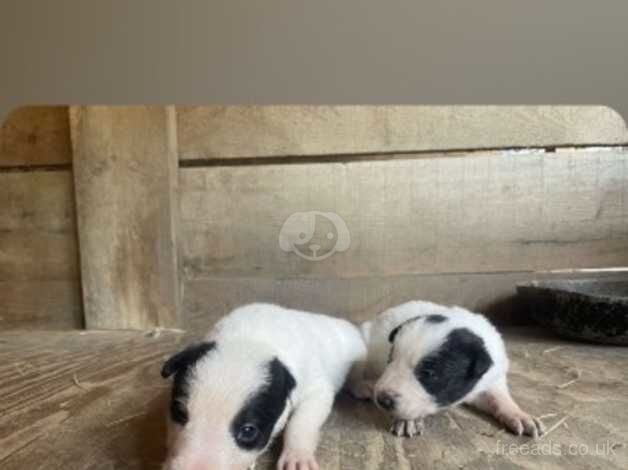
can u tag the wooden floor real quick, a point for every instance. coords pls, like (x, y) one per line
(95, 400)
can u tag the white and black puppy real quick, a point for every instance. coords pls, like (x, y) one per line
(261, 369)
(424, 357)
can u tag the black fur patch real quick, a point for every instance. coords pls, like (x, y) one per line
(450, 372)
(264, 407)
(428, 318)
(180, 365)
(394, 332)
(435, 318)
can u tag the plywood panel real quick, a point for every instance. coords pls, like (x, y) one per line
(207, 132)
(358, 300)
(488, 212)
(37, 227)
(36, 135)
(125, 169)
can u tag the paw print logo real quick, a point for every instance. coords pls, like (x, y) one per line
(314, 235)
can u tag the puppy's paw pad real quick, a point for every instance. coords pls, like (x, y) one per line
(521, 423)
(407, 428)
(297, 459)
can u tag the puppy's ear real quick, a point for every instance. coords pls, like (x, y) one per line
(481, 362)
(186, 358)
(281, 378)
(393, 333)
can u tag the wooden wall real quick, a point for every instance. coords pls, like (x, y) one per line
(39, 273)
(452, 205)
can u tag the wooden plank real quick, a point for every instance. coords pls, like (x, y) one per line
(480, 213)
(41, 305)
(125, 168)
(37, 227)
(68, 392)
(493, 294)
(208, 132)
(36, 135)
(39, 266)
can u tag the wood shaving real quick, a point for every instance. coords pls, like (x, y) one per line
(576, 374)
(77, 383)
(551, 350)
(123, 420)
(556, 425)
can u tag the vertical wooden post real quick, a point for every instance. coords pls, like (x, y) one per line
(125, 173)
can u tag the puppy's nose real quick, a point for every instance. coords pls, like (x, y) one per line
(314, 247)
(385, 401)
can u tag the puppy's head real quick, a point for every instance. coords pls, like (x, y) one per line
(228, 402)
(431, 366)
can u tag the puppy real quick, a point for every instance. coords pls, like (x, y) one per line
(261, 369)
(424, 357)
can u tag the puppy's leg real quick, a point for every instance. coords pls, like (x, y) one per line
(498, 402)
(357, 385)
(302, 432)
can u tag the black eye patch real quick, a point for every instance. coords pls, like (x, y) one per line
(450, 372)
(180, 365)
(253, 425)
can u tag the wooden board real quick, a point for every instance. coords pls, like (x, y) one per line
(208, 132)
(37, 227)
(95, 401)
(40, 305)
(36, 135)
(125, 171)
(39, 274)
(475, 213)
(359, 300)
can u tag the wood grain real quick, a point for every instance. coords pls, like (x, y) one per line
(41, 305)
(125, 177)
(358, 300)
(474, 213)
(95, 401)
(208, 132)
(36, 135)
(37, 226)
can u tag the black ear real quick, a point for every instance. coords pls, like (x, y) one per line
(481, 362)
(186, 358)
(393, 333)
(281, 378)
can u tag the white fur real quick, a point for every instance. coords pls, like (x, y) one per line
(381, 372)
(318, 350)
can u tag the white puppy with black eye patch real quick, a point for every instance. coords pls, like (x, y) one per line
(424, 357)
(261, 369)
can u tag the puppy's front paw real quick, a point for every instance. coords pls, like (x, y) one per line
(407, 428)
(362, 390)
(519, 422)
(297, 459)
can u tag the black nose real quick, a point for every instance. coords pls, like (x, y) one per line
(385, 401)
